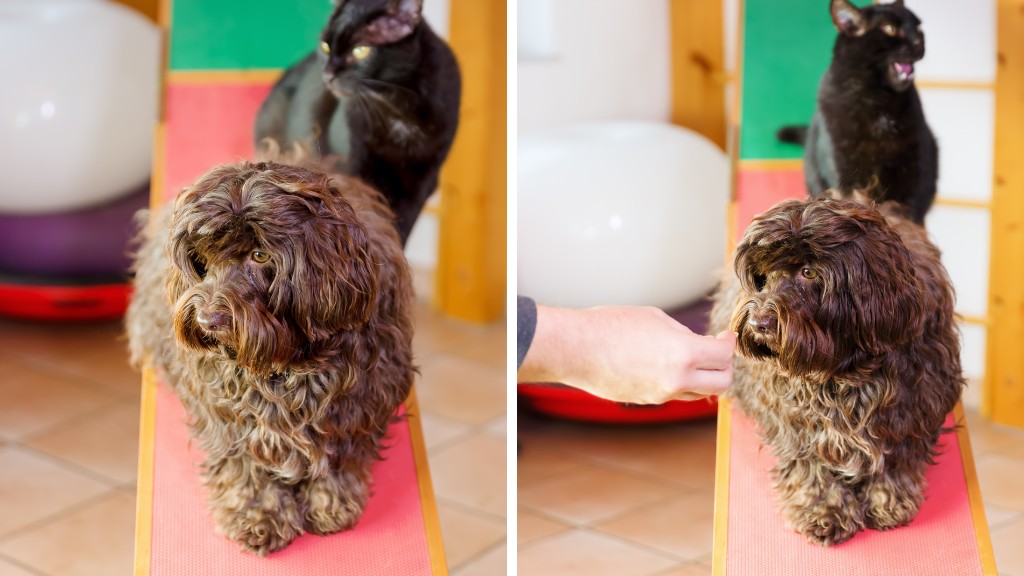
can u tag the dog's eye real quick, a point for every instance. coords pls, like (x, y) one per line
(809, 273)
(260, 256)
(198, 265)
(759, 281)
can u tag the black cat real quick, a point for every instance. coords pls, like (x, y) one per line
(869, 131)
(380, 94)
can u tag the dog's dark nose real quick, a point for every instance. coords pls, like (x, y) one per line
(213, 321)
(762, 324)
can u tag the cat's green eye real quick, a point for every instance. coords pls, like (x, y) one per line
(325, 47)
(361, 52)
(889, 29)
(260, 256)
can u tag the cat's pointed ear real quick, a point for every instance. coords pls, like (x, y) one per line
(848, 18)
(398, 22)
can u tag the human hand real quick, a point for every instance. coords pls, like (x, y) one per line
(633, 354)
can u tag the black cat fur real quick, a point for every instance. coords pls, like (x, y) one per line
(388, 117)
(869, 130)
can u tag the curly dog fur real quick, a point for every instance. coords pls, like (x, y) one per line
(849, 359)
(277, 302)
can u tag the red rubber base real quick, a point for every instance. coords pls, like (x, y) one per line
(78, 302)
(573, 404)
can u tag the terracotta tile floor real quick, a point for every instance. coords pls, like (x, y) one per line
(638, 501)
(69, 411)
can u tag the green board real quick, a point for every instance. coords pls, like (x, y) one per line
(244, 34)
(787, 46)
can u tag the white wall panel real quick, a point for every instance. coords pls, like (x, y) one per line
(611, 63)
(963, 236)
(972, 359)
(435, 12)
(960, 39)
(963, 124)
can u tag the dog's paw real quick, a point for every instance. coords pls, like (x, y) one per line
(891, 504)
(334, 504)
(262, 518)
(265, 535)
(828, 528)
(829, 523)
(258, 531)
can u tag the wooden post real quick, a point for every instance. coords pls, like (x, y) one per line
(1003, 398)
(698, 68)
(470, 276)
(148, 8)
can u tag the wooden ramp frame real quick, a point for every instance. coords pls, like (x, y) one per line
(398, 534)
(949, 536)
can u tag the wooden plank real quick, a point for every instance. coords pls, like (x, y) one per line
(254, 76)
(698, 68)
(470, 275)
(1003, 392)
(723, 443)
(981, 533)
(144, 490)
(428, 503)
(148, 8)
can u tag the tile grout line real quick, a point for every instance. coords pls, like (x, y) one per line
(473, 430)
(625, 541)
(575, 524)
(44, 521)
(76, 419)
(479, 554)
(74, 377)
(1017, 515)
(474, 511)
(73, 468)
(22, 565)
(615, 467)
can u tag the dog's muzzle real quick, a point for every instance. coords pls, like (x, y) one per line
(757, 324)
(213, 321)
(762, 325)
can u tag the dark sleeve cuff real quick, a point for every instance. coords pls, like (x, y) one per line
(526, 324)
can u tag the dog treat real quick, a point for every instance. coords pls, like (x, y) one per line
(849, 359)
(277, 303)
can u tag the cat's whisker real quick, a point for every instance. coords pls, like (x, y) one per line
(374, 83)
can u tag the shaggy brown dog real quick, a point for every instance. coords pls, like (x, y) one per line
(277, 302)
(849, 359)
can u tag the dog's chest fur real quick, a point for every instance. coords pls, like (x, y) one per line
(290, 423)
(800, 419)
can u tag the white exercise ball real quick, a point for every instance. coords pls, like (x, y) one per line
(620, 213)
(79, 103)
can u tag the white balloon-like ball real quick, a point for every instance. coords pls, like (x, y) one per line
(79, 103)
(620, 213)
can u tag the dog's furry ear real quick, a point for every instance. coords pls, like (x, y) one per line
(884, 290)
(335, 280)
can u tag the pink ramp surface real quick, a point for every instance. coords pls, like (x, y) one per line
(390, 540)
(759, 189)
(208, 124)
(940, 540)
